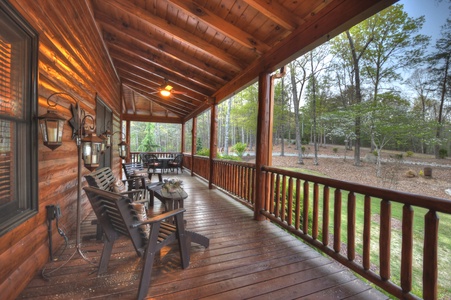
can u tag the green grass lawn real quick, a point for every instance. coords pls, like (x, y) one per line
(444, 255)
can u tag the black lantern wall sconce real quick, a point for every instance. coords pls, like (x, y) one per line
(52, 125)
(123, 147)
(87, 141)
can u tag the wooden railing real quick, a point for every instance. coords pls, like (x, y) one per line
(391, 238)
(202, 166)
(135, 156)
(237, 178)
(346, 220)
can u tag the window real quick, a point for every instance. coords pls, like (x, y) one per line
(18, 128)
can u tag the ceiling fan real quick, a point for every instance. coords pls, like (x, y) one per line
(167, 90)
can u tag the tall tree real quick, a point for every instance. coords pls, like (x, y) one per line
(226, 127)
(376, 49)
(440, 70)
(298, 78)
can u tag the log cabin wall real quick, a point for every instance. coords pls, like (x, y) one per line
(72, 59)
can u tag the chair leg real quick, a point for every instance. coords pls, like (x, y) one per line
(182, 240)
(106, 254)
(149, 257)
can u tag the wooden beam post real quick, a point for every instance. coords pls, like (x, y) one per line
(182, 146)
(264, 123)
(213, 140)
(127, 138)
(193, 144)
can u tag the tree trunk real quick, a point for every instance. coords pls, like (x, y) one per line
(438, 132)
(226, 129)
(296, 116)
(358, 95)
(315, 138)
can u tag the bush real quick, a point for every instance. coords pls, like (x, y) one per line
(230, 157)
(239, 148)
(409, 153)
(375, 153)
(442, 153)
(203, 152)
(335, 150)
(399, 156)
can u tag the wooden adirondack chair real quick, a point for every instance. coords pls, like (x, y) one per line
(118, 216)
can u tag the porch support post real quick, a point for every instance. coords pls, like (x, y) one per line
(213, 141)
(263, 151)
(182, 141)
(193, 144)
(127, 138)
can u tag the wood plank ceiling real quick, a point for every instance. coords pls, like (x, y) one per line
(206, 49)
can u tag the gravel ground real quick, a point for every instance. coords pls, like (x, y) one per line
(393, 170)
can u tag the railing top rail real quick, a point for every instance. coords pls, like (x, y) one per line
(234, 162)
(428, 202)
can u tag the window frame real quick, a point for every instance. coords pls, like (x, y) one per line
(25, 145)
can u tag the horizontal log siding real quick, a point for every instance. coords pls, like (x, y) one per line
(82, 72)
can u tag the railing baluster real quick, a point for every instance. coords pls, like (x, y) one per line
(315, 211)
(305, 207)
(430, 272)
(385, 239)
(290, 201)
(407, 248)
(280, 209)
(272, 193)
(298, 204)
(277, 196)
(351, 226)
(337, 221)
(284, 198)
(367, 233)
(326, 215)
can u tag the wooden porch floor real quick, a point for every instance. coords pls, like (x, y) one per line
(246, 259)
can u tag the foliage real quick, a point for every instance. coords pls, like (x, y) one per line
(409, 153)
(239, 149)
(199, 145)
(335, 150)
(443, 153)
(230, 157)
(203, 152)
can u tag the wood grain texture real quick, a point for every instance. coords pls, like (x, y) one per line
(245, 259)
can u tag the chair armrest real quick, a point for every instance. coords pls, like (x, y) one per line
(132, 192)
(160, 218)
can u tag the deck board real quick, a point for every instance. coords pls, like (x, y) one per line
(246, 259)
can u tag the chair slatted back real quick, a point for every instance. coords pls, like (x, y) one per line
(129, 168)
(102, 178)
(117, 216)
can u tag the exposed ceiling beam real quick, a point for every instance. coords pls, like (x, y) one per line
(148, 40)
(181, 83)
(175, 69)
(167, 103)
(179, 34)
(152, 94)
(276, 12)
(221, 25)
(155, 119)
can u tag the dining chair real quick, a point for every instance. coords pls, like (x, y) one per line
(176, 163)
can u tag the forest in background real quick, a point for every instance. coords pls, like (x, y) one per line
(376, 85)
